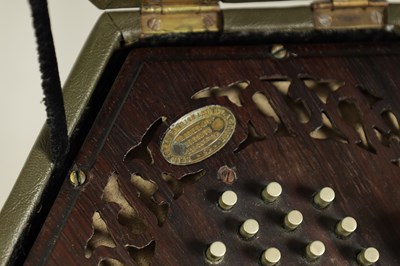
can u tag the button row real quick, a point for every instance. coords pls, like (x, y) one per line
(271, 256)
(322, 199)
(272, 191)
(293, 219)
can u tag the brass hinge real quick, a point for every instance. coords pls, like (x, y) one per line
(179, 16)
(350, 14)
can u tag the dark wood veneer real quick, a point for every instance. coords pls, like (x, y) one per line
(157, 82)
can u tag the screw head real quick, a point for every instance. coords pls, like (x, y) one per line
(154, 24)
(325, 20)
(77, 178)
(208, 21)
(278, 51)
(376, 17)
(227, 174)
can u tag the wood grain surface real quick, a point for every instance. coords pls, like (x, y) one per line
(146, 211)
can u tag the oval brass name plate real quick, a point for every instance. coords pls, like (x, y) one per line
(198, 135)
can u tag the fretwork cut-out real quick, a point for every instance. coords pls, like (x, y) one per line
(127, 216)
(252, 137)
(110, 262)
(351, 114)
(146, 192)
(232, 92)
(281, 83)
(323, 88)
(142, 255)
(298, 106)
(100, 236)
(178, 185)
(392, 122)
(265, 107)
(141, 150)
(369, 97)
(328, 131)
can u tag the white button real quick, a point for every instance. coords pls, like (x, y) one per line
(368, 256)
(216, 251)
(324, 197)
(272, 191)
(346, 226)
(271, 257)
(293, 219)
(315, 250)
(227, 200)
(249, 228)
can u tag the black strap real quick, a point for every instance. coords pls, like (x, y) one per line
(51, 84)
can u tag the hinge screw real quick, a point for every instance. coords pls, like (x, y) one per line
(77, 178)
(154, 24)
(208, 21)
(278, 51)
(325, 20)
(376, 17)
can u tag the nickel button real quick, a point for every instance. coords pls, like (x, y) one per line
(293, 219)
(315, 250)
(346, 227)
(216, 251)
(368, 256)
(227, 200)
(272, 191)
(249, 228)
(324, 197)
(270, 257)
